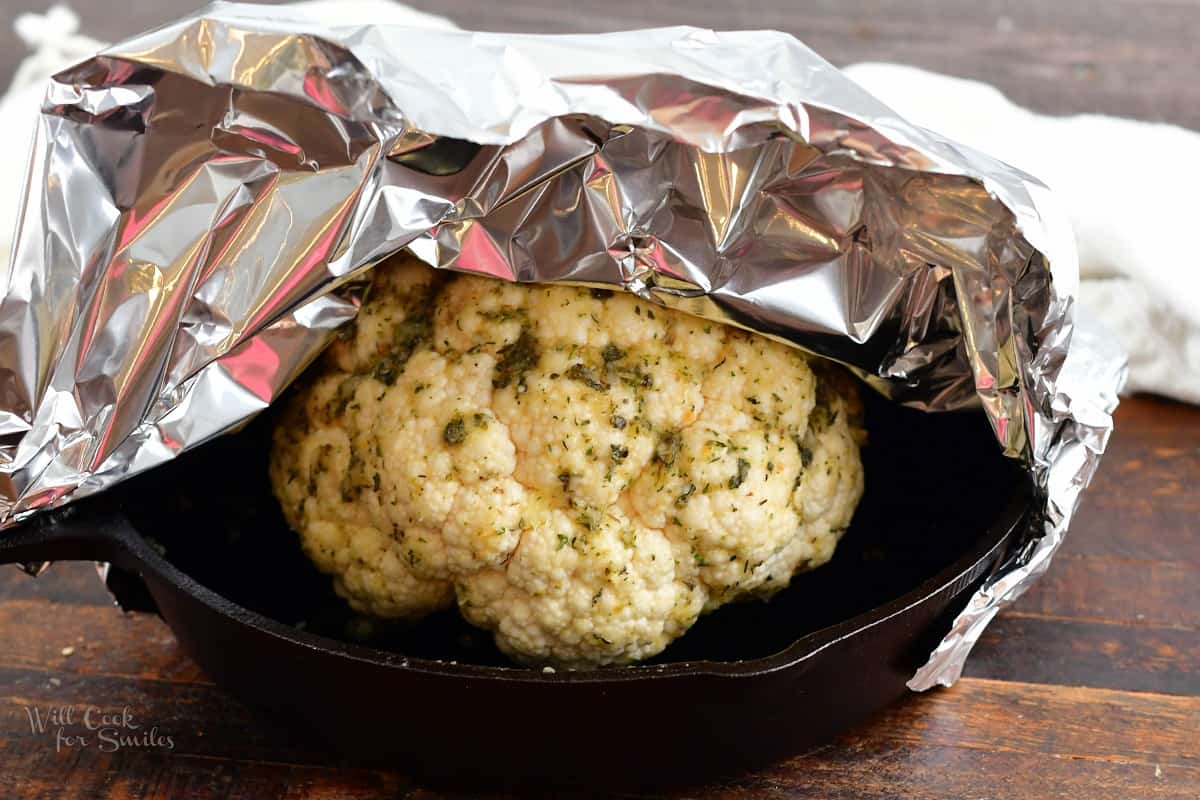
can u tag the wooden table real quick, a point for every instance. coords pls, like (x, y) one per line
(1088, 688)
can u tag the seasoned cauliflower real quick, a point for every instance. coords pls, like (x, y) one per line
(582, 471)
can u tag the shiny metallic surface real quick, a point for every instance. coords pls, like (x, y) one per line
(204, 200)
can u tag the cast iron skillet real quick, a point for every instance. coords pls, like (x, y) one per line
(203, 540)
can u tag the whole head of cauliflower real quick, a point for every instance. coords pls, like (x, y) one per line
(582, 471)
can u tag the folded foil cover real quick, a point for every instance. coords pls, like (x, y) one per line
(203, 201)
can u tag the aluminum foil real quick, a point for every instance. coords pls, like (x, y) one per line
(203, 200)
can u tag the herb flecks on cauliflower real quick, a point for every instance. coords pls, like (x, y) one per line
(584, 472)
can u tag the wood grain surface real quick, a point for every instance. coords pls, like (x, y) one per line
(1088, 688)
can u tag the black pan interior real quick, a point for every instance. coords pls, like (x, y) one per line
(934, 485)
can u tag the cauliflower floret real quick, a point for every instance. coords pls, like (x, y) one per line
(584, 588)
(583, 471)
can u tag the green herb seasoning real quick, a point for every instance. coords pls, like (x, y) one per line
(587, 376)
(668, 448)
(408, 335)
(516, 359)
(612, 353)
(503, 314)
(455, 432)
(343, 397)
(682, 499)
(743, 469)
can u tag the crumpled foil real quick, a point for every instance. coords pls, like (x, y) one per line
(204, 199)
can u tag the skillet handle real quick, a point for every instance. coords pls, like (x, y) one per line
(67, 536)
(83, 534)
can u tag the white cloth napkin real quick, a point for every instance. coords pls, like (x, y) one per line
(1127, 185)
